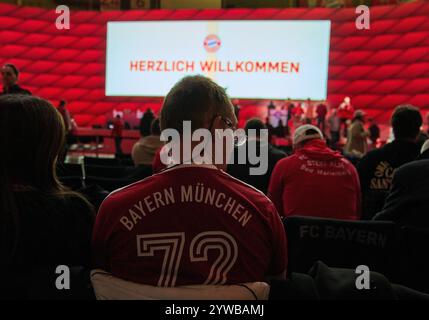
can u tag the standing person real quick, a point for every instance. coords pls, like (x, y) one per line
(10, 75)
(377, 167)
(146, 122)
(118, 127)
(315, 180)
(43, 224)
(309, 111)
(345, 112)
(289, 106)
(334, 126)
(68, 126)
(374, 132)
(321, 111)
(65, 114)
(356, 145)
(197, 213)
(144, 150)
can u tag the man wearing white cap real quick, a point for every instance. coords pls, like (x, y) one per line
(315, 180)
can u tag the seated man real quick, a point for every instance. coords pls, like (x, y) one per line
(144, 150)
(315, 180)
(376, 168)
(241, 171)
(191, 223)
(407, 202)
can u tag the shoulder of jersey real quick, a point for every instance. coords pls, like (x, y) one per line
(126, 188)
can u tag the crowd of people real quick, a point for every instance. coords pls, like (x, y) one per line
(198, 223)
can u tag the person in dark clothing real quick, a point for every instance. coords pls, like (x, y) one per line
(10, 74)
(146, 122)
(241, 171)
(289, 106)
(374, 132)
(270, 128)
(280, 131)
(42, 223)
(118, 128)
(321, 112)
(377, 167)
(407, 202)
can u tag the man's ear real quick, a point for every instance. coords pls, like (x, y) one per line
(217, 123)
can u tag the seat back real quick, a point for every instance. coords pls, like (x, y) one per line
(339, 243)
(412, 258)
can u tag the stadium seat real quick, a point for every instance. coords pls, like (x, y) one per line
(411, 259)
(40, 284)
(101, 161)
(70, 170)
(106, 171)
(339, 243)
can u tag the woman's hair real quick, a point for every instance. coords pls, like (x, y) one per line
(32, 134)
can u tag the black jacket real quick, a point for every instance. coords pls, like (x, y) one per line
(376, 170)
(241, 171)
(15, 89)
(408, 201)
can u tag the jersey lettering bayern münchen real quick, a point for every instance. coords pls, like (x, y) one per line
(190, 224)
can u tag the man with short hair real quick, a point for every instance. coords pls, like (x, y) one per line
(191, 223)
(315, 181)
(241, 171)
(10, 74)
(376, 168)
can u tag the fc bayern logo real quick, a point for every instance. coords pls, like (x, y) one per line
(212, 43)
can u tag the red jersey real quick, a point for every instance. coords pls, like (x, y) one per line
(189, 225)
(316, 181)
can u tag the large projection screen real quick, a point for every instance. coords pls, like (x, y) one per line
(252, 59)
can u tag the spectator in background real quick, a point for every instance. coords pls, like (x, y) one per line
(345, 112)
(280, 131)
(146, 122)
(376, 168)
(118, 128)
(356, 145)
(43, 224)
(65, 114)
(270, 128)
(290, 106)
(309, 111)
(321, 111)
(315, 180)
(191, 201)
(10, 75)
(407, 202)
(144, 150)
(374, 132)
(241, 171)
(334, 126)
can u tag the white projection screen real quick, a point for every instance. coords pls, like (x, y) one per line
(252, 59)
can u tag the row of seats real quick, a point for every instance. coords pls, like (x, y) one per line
(400, 253)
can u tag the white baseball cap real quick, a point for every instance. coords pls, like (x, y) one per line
(301, 134)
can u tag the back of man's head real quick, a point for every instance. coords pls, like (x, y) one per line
(254, 123)
(406, 122)
(194, 98)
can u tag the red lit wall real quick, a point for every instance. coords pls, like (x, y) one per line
(379, 68)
